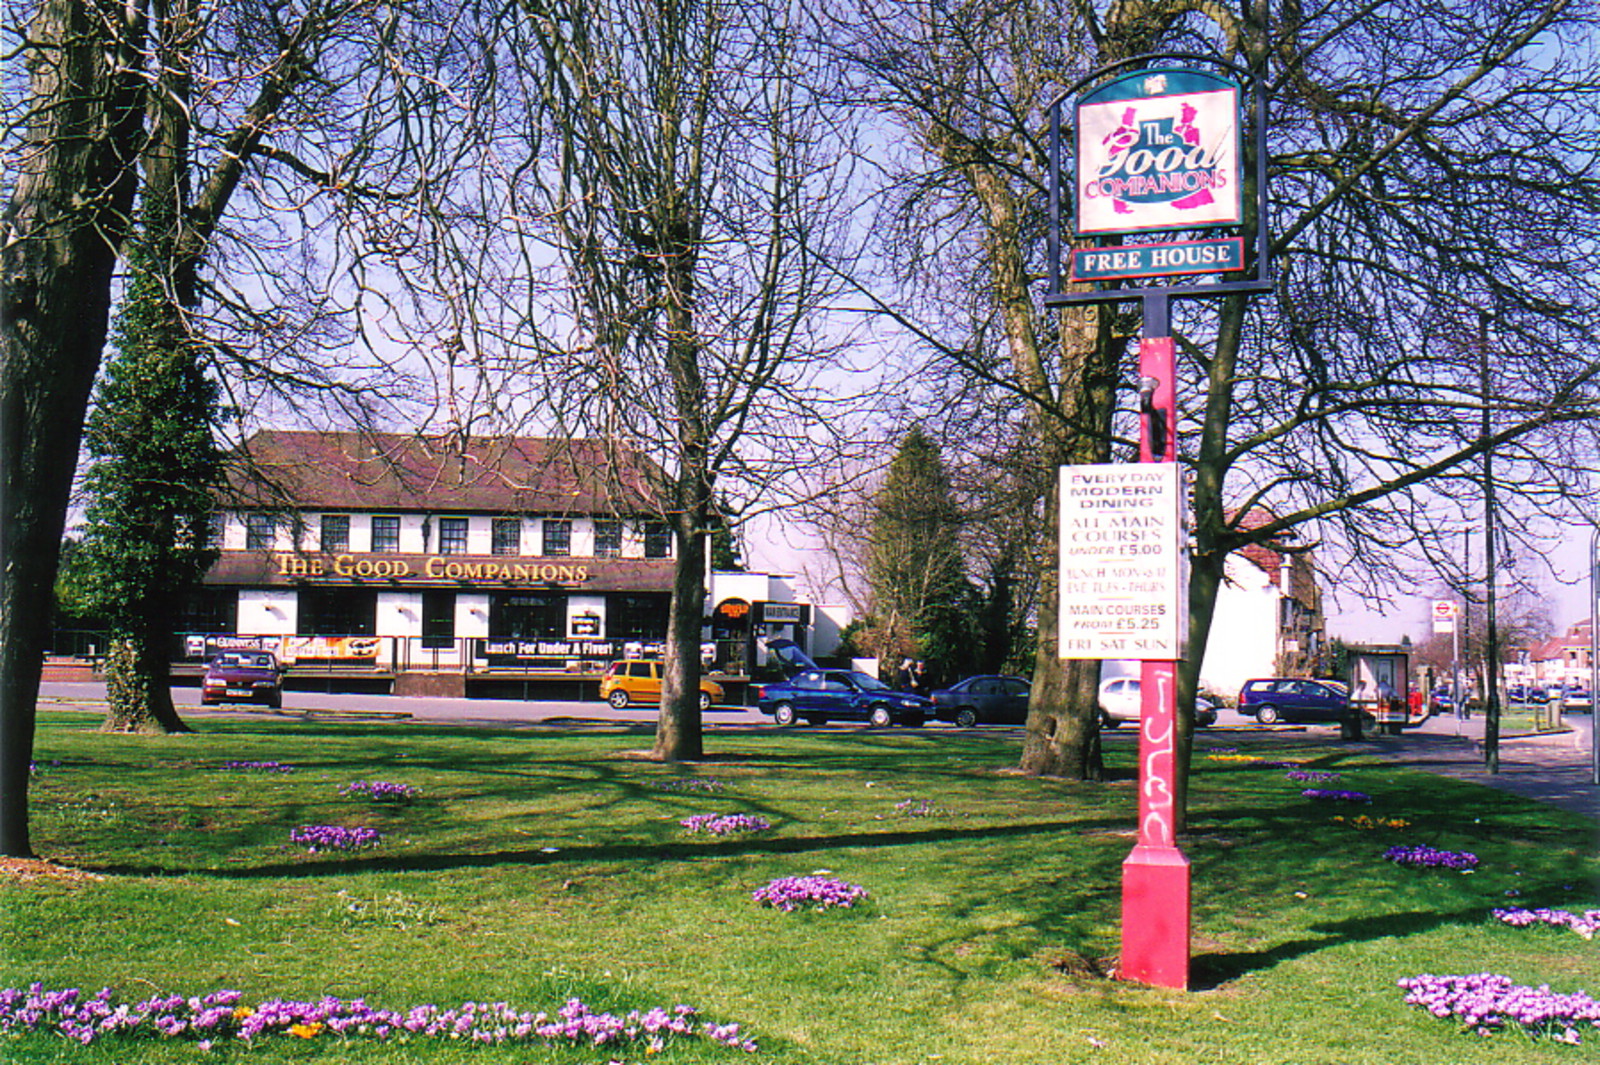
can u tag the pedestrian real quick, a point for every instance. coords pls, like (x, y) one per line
(905, 678)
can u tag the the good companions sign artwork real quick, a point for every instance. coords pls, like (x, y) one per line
(1159, 150)
(1123, 572)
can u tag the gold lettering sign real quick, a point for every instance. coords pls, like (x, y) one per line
(434, 568)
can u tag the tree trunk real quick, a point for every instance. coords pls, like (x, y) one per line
(1205, 577)
(679, 730)
(139, 688)
(1208, 560)
(67, 217)
(1063, 729)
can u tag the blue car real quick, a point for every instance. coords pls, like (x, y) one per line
(1273, 699)
(984, 701)
(817, 696)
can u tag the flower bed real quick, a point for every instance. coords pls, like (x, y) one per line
(1370, 824)
(725, 824)
(1487, 1002)
(815, 892)
(1311, 776)
(1422, 856)
(381, 790)
(693, 784)
(1585, 924)
(1335, 795)
(915, 808)
(222, 1015)
(315, 838)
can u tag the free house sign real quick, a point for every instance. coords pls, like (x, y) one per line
(1123, 571)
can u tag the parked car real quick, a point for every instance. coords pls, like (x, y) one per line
(1121, 700)
(817, 696)
(787, 657)
(986, 700)
(638, 680)
(242, 677)
(1273, 699)
(1577, 698)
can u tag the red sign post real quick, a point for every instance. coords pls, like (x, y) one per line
(1155, 876)
(1160, 151)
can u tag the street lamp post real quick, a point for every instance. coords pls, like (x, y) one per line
(1491, 680)
(1594, 653)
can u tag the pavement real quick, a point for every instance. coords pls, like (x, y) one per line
(1551, 767)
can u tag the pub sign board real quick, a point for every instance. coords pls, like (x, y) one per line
(1159, 150)
(1124, 575)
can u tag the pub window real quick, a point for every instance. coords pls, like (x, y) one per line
(335, 532)
(607, 538)
(657, 539)
(385, 533)
(213, 611)
(260, 532)
(338, 611)
(452, 536)
(557, 537)
(438, 617)
(641, 616)
(506, 536)
(528, 617)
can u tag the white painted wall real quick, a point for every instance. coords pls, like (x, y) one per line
(1244, 630)
(751, 587)
(828, 622)
(399, 614)
(472, 614)
(265, 612)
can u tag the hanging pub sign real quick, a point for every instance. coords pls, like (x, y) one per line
(1159, 149)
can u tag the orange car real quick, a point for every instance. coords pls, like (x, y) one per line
(639, 681)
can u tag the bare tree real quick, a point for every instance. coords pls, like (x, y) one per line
(1394, 170)
(293, 108)
(66, 216)
(968, 84)
(689, 186)
(1418, 193)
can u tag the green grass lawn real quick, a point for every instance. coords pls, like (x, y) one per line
(538, 865)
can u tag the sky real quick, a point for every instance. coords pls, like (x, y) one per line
(1567, 589)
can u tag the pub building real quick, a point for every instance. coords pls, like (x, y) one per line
(500, 566)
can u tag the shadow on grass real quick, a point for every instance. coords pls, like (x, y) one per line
(613, 852)
(1209, 971)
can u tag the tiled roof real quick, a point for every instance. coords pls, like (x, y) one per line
(291, 470)
(1557, 647)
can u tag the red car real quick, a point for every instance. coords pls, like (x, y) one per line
(242, 677)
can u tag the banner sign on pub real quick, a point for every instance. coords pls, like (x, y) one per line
(1159, 150)
(1123, 572)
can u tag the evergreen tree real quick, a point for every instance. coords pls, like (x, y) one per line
(922, 601)
(153, 468)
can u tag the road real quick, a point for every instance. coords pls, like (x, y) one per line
(1554, 768)
(503, 713)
